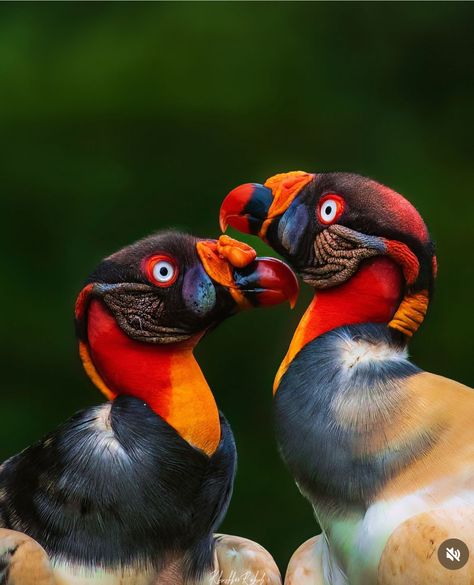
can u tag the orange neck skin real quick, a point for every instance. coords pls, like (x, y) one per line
(372, 295)
(166, 377)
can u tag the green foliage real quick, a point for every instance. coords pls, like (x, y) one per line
(120, 119)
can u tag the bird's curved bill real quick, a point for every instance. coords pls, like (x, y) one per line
(252, 281)
(250, 208)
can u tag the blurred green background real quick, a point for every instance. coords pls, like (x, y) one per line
(120, 119)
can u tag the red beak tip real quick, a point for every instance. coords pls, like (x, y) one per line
(280, 280)
(232, 208)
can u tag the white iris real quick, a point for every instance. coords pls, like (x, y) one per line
(163, 271)
(328, 210)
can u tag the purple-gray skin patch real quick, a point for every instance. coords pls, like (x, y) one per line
(199, 294)
(292, 227)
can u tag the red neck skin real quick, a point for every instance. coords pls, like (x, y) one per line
(372, 295)
(166, 377)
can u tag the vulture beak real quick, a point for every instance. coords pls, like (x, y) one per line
(251, 207)
(251, 281)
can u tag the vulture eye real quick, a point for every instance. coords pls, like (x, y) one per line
(330, 208)
(161, 270)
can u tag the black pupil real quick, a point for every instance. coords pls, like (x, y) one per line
(164, 271)
(328, 210)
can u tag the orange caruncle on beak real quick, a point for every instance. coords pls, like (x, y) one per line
(250, 280)
(285, 187)
(251, 208)
(217, 258)
(237, 253)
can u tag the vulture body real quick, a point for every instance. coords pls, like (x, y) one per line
(130, 492)
(383, 450)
